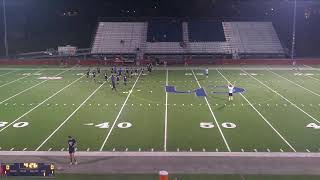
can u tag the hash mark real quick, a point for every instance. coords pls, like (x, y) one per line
(204, 150)
(24, 149)
(255, 150)
(114, 149)
(88, 149)
(307, 150)
(62, 149)
(11, 149)
(242, 150)
(217, 150)
(281, 150)
(49, 149)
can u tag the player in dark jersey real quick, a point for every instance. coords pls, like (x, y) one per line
(106, 76)
(113, 82)
(118, 79)
(88, 73)
(125, 80)
(120, 71)
(98, 70)
(94, 75)
(72, 143)
(131, 73)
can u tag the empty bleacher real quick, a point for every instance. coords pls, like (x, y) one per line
(174, 37)
(119, 37)
(252, 38)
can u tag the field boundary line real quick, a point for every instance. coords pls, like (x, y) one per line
(18, 79)
(314, 93)
(265, 119)
(163, 154)
(282, 97)
(30, 88)
(26, 113)
(166, 115)
(121, 109)
(7, 73)
(214, 117)
(67, 119)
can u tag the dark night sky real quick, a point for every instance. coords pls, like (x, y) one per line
(39, 24)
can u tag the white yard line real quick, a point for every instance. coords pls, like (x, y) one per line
(265, 119)
(309, 66)
(7, 73)
(39, 104)
(115, 121)
(214, 117)
(30, 88)
(69, 117)
(313, 78)
(294, 83)
(166, 117)
(291, 103)
(17, 80)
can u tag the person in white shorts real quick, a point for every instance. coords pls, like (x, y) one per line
(230, 91)
(207, 72)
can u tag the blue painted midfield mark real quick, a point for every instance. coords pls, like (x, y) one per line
(200, 92)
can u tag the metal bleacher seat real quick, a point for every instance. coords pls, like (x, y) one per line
(118, 37)
(252, 37)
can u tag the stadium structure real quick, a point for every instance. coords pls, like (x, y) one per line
(175, 118)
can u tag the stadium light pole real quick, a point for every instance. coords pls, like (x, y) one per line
(5, 28)
(294, 30)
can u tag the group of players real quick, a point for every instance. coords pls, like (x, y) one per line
(118, 74)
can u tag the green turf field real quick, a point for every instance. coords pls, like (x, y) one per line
(279, 111)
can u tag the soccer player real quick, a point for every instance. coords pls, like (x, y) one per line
(88, 73)
(94, 75)
(98, 70)
(106, 76)
(207, 72)
(230, 90)
(113, 82)
(125, 80)
(72, 143)
(131, 73)
(118, 79)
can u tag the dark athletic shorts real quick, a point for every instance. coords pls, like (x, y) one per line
(71, 150)
(230, 94)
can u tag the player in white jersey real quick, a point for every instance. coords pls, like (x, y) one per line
(230, 90)
(207, 72)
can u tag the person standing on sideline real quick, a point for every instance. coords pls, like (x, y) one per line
(72, 143)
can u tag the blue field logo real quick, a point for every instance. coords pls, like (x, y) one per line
(200, 92)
